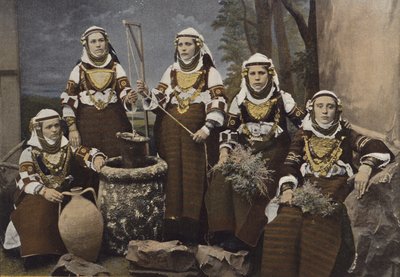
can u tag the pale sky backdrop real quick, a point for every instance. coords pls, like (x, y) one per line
(49, 32)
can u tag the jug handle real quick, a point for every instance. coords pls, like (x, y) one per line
(82, 192)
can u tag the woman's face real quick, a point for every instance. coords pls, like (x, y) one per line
(51, 128)
(186, 48)
(97, 45)
(324, 109)
(258, 77)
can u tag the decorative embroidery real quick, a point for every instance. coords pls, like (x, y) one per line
(99, 81)
(217, 91)
(322, 153)
(99, 78)
(188, 80)
(26, 166)
(260, 111)
(184, 103)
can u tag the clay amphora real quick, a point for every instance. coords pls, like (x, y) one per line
(81, 225)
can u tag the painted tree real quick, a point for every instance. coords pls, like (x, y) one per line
(237, 41)
(261, 26)
(307, 62)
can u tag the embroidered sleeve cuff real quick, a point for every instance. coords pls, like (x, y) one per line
(375, 160)
(217, 117)
(32, 187)
(217, 104)
(285, 180)
(124, 92)
(94, 152)
(226, 145)
(156, 98)
(228, 139)
(69, 100)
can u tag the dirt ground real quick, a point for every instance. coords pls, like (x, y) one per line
(13, 266)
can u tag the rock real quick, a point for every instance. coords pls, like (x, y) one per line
(70, 264)
(170, 256)
(375, 220)
(215, 262)
(131, 202)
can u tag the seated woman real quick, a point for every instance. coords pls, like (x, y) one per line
(43, 169)
(256, 118)
(304, 244)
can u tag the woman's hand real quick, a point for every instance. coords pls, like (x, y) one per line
(74, 137)
(200, 136)
(98, 163)
(286, 197)
(142, 88)
(131, 97)
(361, 180)
(51, 195)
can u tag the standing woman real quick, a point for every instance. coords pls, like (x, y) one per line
(257, 119)
(96, 91)
(93, 101)
(191, 90)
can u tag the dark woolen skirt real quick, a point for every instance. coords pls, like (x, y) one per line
(304, 245)
(229, 211)
(186, 175)
(36, 221)
(98, 127)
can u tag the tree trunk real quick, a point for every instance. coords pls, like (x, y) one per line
(263, 15)
(285, 74)
(246, 29)
(312, 74)
(309, 35)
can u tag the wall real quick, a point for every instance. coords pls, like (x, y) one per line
(9, 78)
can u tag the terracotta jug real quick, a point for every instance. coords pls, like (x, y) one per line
(81, 225)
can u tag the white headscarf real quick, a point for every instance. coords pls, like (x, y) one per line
(191, 32)
(257, 59)
(85, 56)
(43, 115)
(308, 120)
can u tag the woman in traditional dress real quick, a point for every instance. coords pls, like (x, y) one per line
(43, 169)
(300, 244)
(93, 101)
(257, 119)
(190, 90)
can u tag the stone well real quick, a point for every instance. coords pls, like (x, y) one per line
(131, 200)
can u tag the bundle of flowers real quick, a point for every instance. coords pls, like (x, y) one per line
(311, 200)
(246, 172)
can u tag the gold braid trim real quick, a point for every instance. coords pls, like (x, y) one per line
(58, 171)
(327, 152)
(260, 111)
(183, 104)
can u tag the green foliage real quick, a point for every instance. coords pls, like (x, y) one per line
(31, 105)
(246, 172)
(311, 200)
